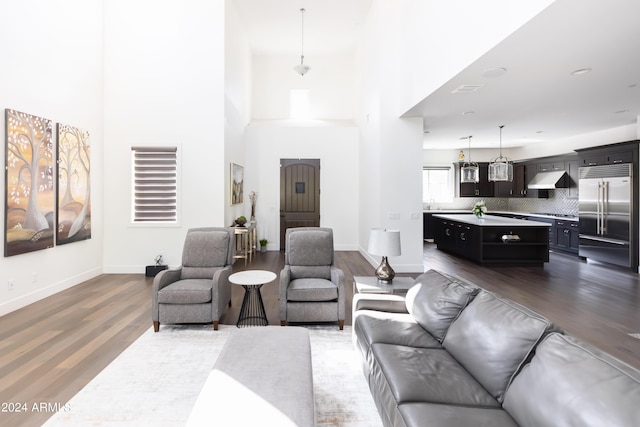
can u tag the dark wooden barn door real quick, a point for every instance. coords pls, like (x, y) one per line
(299, 194)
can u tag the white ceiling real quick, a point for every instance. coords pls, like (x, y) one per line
(274, 26)
(537, 99)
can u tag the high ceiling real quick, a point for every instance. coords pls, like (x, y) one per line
(274, 26)
(537, 98)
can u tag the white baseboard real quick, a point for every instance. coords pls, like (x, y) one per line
(30, 298)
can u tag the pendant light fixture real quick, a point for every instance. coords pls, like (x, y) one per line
(469, 172)
(302, 68)
(501, 168)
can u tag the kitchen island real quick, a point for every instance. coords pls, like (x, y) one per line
(493, 240)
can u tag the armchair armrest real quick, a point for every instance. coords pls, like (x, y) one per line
(162, 279)
(165, 278)
(222, 275)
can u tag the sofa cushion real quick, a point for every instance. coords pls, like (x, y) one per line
(492, 338)
(436, 300)
(391, 328)
(415, 414)
(426, 375)
(577, 385)
(312, 290)
(190, 291)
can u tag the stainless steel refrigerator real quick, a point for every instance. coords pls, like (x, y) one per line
(606, 195)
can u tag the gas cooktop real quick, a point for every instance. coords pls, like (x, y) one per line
(556, 215)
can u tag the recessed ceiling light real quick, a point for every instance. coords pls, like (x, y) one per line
(467, 89)
(494, 72)
(467, 113)
(539, 131)
(580, 71)
(622, 111)
(633, 85)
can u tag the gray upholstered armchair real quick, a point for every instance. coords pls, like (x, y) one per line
(311, 287)
(199, 290)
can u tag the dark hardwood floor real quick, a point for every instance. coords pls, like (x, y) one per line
(52, 348)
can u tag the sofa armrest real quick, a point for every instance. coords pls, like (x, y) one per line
(380, 302)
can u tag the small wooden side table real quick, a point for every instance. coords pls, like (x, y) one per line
(371, 285)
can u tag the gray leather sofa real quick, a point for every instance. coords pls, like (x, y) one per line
(453, 354)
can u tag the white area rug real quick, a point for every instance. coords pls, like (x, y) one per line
(155, 382)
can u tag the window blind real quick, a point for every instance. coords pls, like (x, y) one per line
(155, 184)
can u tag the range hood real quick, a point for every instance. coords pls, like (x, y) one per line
(548, 181)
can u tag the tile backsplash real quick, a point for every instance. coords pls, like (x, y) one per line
(557, 203)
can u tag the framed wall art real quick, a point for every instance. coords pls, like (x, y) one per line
(74, 185)
(29, 183)
(237, 183)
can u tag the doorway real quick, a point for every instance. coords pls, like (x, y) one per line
(299, 194)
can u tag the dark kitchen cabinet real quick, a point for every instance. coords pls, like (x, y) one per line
(531, 170)
(596, 159)
(484, 188)
(573, 171)
(519, 180)
(516, 188)
(551, 166)
(552, 228)
(567, 236)
(623, 152)
(484, 245)
(427, 225)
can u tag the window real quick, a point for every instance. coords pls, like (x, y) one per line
(299, 104)
(437, 184)
(155, 185)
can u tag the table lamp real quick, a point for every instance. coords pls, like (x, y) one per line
(384, 243)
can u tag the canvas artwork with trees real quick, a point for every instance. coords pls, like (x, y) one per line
(29, 202)
(74, 189)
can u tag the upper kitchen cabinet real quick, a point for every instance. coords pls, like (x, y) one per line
(531, 169)
(484, 188)
(516, 188)
(557, 165)
(573, 172)
(623, 152)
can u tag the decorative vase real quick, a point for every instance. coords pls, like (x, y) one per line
(241, 222)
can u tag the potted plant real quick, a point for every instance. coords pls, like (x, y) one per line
(241, 220)
(263, 245)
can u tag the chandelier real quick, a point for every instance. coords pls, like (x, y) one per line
(501, 168)
(469, 172)
(302, 68)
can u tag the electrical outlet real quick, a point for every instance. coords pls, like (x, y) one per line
(10, 285)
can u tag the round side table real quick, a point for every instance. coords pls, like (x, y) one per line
(252, 312)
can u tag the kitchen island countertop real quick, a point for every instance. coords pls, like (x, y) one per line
(491, 220)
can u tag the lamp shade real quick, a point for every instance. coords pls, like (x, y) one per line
(384, 242)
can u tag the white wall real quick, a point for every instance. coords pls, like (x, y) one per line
(52, 67)
(330, 135)
(164, 84)
(237, 67)
(330, 84)
(391, 148)
(335, 144)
